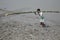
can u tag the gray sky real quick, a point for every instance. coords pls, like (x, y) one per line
(18, 4)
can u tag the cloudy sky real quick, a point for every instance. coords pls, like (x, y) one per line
(42, 4)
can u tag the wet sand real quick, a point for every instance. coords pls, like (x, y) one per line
(26, 27)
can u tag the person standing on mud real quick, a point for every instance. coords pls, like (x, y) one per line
(41, 17)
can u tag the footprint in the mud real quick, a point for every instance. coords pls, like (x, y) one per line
(30, 25)
(47, 26)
